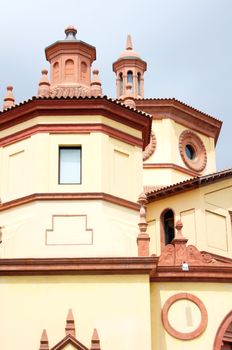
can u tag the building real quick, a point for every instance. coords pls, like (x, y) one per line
(116, 228)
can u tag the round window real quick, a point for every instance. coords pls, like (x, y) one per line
(192, 150)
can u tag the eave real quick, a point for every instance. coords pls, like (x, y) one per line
(190, 117)
(104, 106)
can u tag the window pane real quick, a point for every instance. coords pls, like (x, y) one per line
(70, 165)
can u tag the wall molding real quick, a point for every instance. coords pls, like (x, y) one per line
(69, 196)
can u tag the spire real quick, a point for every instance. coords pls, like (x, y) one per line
(129, 43)
(44, 341)
(9, 98)
(70, 324)
(129, 68)
(95, 342)
(44, 85)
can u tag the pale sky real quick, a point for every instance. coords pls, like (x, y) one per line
(187, 45)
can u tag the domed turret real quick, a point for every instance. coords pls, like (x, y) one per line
(129, 68)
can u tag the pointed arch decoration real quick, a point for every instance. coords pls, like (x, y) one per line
(218, 341)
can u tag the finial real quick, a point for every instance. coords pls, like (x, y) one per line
(95, 342)
(44, 85)
(70, 324)
(143, 238)
(129, 45)
(70, 32)
(44, 341)
(179, 227)
(95, 84)
(9, 98)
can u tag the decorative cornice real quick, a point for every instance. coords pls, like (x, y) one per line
(104, 106)
(78, 266)
(71, 128)
(69, 196)
(181, 113)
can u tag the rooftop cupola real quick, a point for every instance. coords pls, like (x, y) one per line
(129, 69)
(70, 61)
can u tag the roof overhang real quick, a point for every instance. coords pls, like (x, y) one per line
(111, 109)
(183, 114)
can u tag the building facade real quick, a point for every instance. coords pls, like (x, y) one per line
(116, 227)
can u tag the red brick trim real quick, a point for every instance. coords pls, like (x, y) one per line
(78, 266)
(198, 164)
(169, 166)
(181, 335)
(69, 196)
(71, 128)
(221, 331)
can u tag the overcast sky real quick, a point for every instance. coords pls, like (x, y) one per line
(186, 43)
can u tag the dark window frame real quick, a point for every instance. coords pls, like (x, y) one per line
(59, 164)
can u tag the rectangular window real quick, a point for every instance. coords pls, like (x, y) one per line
(69, 165)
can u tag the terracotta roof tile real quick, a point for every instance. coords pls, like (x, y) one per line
(174, 100)
(72, 96)
(193, 182)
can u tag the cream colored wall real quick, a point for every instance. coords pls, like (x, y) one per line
(85, 228)
(163, 177)
(118, 306)
(167, 134)
(70, 119)
(217, 300)
(204, 213)
(31, 166)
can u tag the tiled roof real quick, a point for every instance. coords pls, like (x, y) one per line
(193, 182)
(174, 100)
(70, 97)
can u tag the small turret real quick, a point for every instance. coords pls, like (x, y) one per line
(70, 61)
(129, 68)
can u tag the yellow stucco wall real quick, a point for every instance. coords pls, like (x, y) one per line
(69, 229)
(204, 213)
(217, 300)
(118, 306)
(167, 133)
(108, 165)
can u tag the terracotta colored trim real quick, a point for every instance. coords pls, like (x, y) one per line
(221, 331)
(68, 129)
(82, 106)
(162, 232)
(181, 335)
(187, 185)
(150, 149)
(69, 196)
(78, 266)
(68, 215)
(187, 137)
(69, 339)
(181, 113)
(169, 166)
(221, 274)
